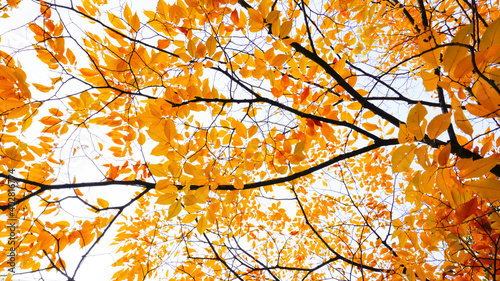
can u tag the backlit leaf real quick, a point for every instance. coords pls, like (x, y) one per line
(438, 125)
(478, 168)
(416, 122)
(486, 188)
(174, 209)
(402, 158)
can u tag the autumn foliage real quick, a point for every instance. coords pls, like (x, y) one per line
(252, 140)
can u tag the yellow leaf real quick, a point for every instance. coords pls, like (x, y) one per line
(165, 186)
(127, 13)
(193, 208)
(189, 218)
(42, 88)
(404, 136)
(116, 21)
(255, 17)
(478, 168)
(238, 183)
(416, 122)
(157, 170)
(444, 155)
(402, 158)
(491, 35)
(429, 80)
(142, 139)
(202, 224)
(279, 60)
(272, 16)
(211, 45)
(370, 127)
(459, 117)
(465, 66)
(438, 125)
(241, 130)
(454, 54)
(174, 209)
(50, 120)
(189, 168)
(135, 23)
(427, 43)
(166, 199)
(252, 130)
(285, 28)
(480, 111)
(486, 188)
(189, 199)
(201, 50)
(191, 48)
(103, 203)
(170, 130)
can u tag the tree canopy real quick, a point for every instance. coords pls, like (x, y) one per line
(251, 140)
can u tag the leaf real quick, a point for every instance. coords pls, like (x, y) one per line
(402, 158)
(416, 122)
(370, 126)
(486, 188)
(459, 117)
(170, 130)
(189, 199)
(465, 210)
(189, 169)
(481, 111)
(239, 184)
(429, 79)
(478, 168)
(404, 136)
(50, 120)
(241, 130)
(454, 54)
(127, 13)
(116, 21)
(202, 224)
(166, 199)
(211, 45)
(42, 88)
(491, 35)
(135, 23)
(279, 60)
(157, 170)
(189, 218)
(191, 47)
(427, 43)
(174, 209)
(438, 125)
(103, 203)
(444, 155)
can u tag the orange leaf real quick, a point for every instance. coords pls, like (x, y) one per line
(486, 188)
(478, 168)
(402, 158)
(103, 203)
(174, 209)
(438, 125)
(202, 224)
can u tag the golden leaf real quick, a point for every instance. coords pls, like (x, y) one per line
(174, 209)
(438, 125)
(402, 158)
(486, 188)
(478, 168)
(416, 122)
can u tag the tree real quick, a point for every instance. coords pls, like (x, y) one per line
(253, 140)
